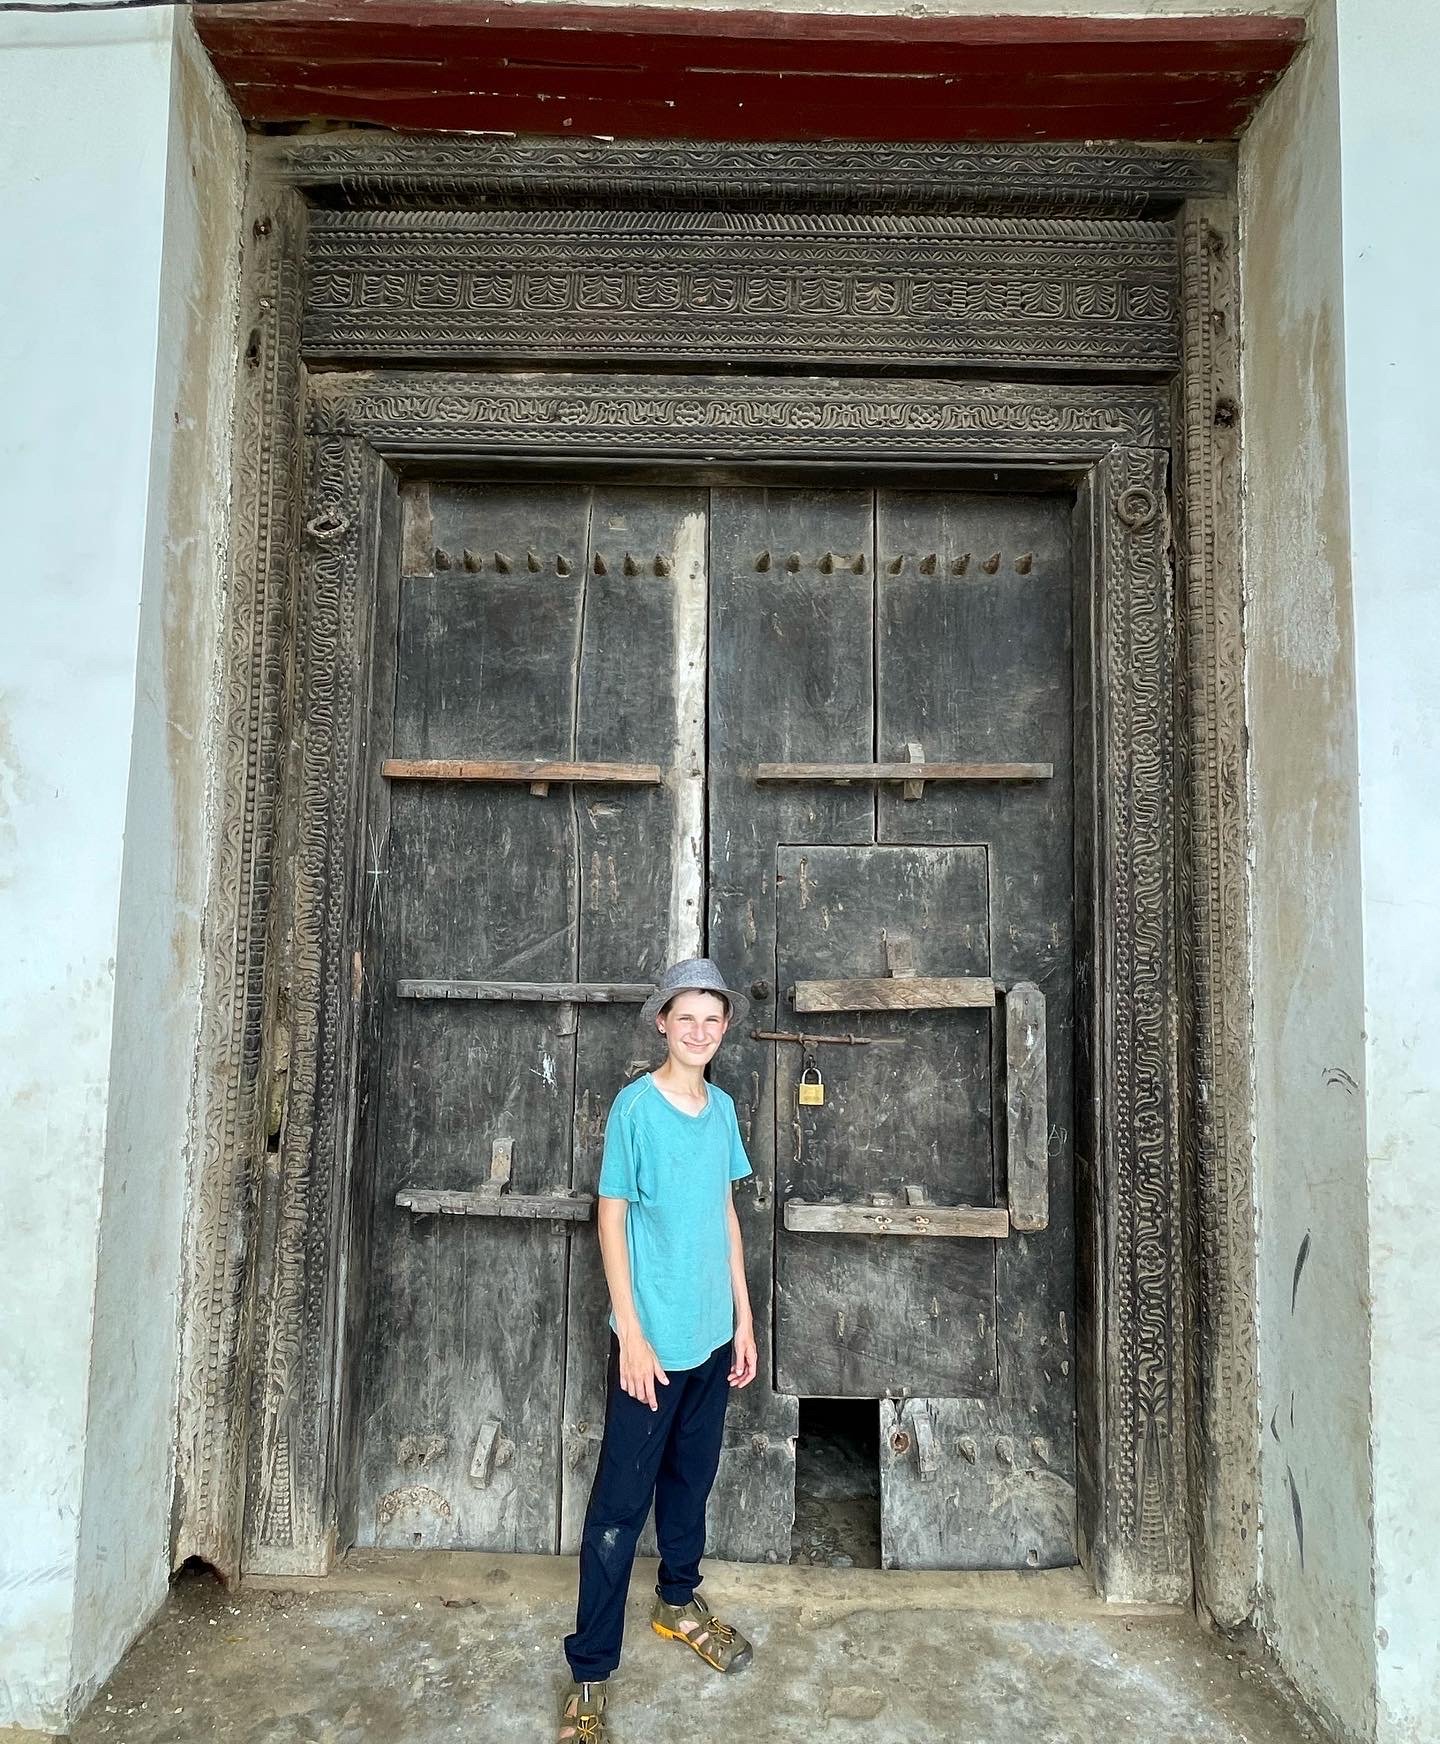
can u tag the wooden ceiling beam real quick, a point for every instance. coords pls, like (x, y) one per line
(656, 72)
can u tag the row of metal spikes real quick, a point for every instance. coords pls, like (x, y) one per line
(931, 564)
(532, 561)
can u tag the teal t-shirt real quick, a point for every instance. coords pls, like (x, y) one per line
(675, 1169)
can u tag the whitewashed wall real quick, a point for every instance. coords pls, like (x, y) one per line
(1316, 1543)
(1390, 132)
(1342, 365)
(119, 189)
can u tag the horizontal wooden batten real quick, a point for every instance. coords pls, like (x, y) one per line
(521, 774)
(636, 72)
(895, 993)
(845, 774)
(986, 1222)
(530, 992)
(526, 1207)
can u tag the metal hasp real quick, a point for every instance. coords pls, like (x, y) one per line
(493, 1197)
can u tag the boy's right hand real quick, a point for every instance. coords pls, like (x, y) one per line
(640, 1370)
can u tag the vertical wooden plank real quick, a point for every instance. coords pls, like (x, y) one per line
(640, 698)
(1026, 1123)
(791, 679)
(860, 1316)
(957, 1493)
(375, 992)
(975, 597)
(464, 1334)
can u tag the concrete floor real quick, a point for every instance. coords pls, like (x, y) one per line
(416, 1649)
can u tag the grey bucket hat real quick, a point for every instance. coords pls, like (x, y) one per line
(694, 975)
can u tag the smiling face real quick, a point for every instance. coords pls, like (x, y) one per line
(694, 1025)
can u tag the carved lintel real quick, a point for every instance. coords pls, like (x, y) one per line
(404, 413)
(381, 170)
(738, 287)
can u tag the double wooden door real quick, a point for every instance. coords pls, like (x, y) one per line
(825, 736)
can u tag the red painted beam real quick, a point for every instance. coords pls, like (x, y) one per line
(654, 72)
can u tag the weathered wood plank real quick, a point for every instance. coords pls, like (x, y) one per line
(975, 660)
(970, 1483)
(1027, 1122)
(989, 1222)
(896, 992)
(528, 1207)
(530, 992)
(523, 774)
(642, 695)
(906, 774)
(790, 679)
(480, 883)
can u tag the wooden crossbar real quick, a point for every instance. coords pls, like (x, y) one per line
(521, 774)
(843, 774)
(531, 992)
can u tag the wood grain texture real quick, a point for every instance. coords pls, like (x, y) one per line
(452, 769)
(790, 679)
(1027, 1120)
(481, 881)
(976, 655)
(981, 1221)
(531, 1207)
(895, 993)
(744, 75)
(995, 1494)
(529, 992)
(843, 773)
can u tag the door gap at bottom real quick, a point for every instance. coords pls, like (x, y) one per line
(837, 1484)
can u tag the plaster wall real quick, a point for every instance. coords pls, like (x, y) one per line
(119, 193)
(1314, 1311)
(1389, 55)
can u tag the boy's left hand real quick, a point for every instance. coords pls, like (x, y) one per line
(742, 1369)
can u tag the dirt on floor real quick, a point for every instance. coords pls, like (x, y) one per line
(425, 1648)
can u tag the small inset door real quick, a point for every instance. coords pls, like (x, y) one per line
(879, 944)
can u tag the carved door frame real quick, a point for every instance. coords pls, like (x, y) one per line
(1165, 1348)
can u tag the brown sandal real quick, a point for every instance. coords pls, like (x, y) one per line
(582, 1714)
(720, 1645)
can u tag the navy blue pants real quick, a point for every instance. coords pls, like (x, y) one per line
(670, 1455)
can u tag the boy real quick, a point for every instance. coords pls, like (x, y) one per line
(681, 1337)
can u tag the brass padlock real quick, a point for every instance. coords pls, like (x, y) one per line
(812, 1087)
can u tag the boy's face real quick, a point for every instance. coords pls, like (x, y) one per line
(694, 1025)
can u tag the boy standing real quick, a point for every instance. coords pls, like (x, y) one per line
(681, 1337)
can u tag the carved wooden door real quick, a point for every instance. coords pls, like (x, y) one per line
(693, 666)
